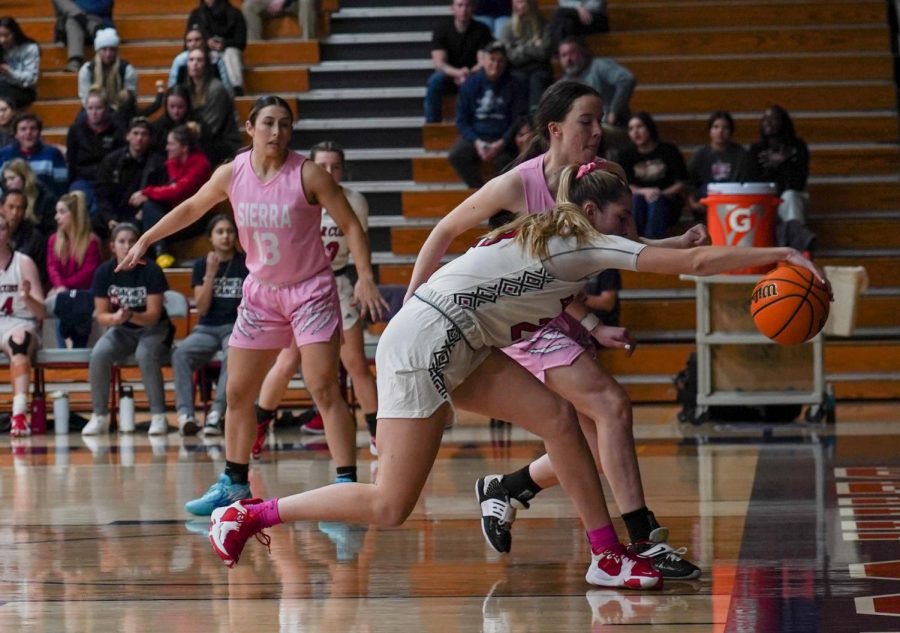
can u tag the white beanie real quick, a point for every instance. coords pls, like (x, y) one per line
(106, 38)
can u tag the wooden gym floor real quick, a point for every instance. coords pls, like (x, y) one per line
(792, 525)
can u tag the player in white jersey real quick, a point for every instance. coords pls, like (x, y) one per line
(21, 310)
(330, 157)
(442, 350)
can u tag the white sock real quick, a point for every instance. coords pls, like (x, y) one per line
(20, 403)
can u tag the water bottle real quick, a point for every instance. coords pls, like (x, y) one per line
(38, 412)
(60, 412)
(126, 409)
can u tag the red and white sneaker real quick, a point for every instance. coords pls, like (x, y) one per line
(231, 526)
(616, 567)
(19, 426)
(262, 430)
(316, 426)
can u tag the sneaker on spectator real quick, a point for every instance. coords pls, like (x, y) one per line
(97, 425)
(230, 527)
(187, 424)
(158, 424)
(664, 557)
(213, 423)
(19, 426)
(497, 512)
(617, 567)
(220, 494)
(74, 65)
(315, 426)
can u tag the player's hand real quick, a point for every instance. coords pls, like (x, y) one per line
(697, 235)
(134, 257)
(25, 288)
(368, 297)
(611, 336)
(796, 258)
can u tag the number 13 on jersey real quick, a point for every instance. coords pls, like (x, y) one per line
(267, 247)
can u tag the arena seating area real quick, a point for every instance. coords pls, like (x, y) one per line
(828, 62)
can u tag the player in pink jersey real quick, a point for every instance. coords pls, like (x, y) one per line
(290, 293)
(442, 351)
(567, 130)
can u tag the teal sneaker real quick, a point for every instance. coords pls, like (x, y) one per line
(220, 494)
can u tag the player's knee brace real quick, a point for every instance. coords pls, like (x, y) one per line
(20, 348)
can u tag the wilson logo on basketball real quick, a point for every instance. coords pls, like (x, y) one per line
(764, 292)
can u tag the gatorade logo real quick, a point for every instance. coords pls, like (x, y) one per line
(739, 221)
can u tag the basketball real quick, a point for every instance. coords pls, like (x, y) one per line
(789, 305)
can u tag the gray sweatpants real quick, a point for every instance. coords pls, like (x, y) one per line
(192, 353)
(150, 348)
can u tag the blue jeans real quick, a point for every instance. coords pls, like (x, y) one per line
(435, 87)
(87, 187)
(653, 219)
(494, 24)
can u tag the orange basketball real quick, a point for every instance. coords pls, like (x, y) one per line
(789, 305)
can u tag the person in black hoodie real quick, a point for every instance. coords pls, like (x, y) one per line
(122, 173)
(89, 140)
(781, 157)
(225, 31)
(24, 236)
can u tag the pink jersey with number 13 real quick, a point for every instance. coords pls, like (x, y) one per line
(277, 226)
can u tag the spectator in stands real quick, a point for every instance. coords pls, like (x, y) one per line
(177, 111)
(781, 157)
(255, 10)
(722, 160)
(89, 140)
(46, 161)
(225, 32)
(490, 102)
(578, 18)
(657, 175)
(73, 254)
(21, 310)
(528, 49)
(108, 72)
(602, 296)
(187, 168)
(23, 235)
(78, 19)
(193, 38)
(121, 174)
(20, 59)
(41, 202)
(614, 82)
(494, 14)
(214, 106)
(130, 304)
(455, 47)
(7, 114)
(218, 281)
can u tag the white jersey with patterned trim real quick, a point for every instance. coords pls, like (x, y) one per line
(508, 293)
(11, 304)
(336, 247)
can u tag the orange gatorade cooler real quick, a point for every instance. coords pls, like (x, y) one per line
(742, 214)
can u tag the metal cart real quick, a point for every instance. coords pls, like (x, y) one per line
(736, 365)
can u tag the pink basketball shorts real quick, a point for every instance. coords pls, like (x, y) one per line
(557, 344)
(270, 316)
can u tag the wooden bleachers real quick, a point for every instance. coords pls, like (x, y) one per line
(828, 63)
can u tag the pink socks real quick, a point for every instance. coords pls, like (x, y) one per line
(267, 513)
(604, 538)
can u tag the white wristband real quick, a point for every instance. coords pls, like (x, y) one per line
(590, 321)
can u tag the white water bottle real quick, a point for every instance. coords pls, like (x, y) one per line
(60, 412)
(126, 409)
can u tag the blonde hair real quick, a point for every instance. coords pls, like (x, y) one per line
(567, 219)
(107, 81)
(75, 246)
(529, 24)
(22, 169)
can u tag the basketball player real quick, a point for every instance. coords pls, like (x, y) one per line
(567, 130)
(442, 350)
(21, 309)
(330, 157)
(290, 293)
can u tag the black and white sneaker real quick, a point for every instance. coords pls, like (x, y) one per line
(497, 512)
(665, 558)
